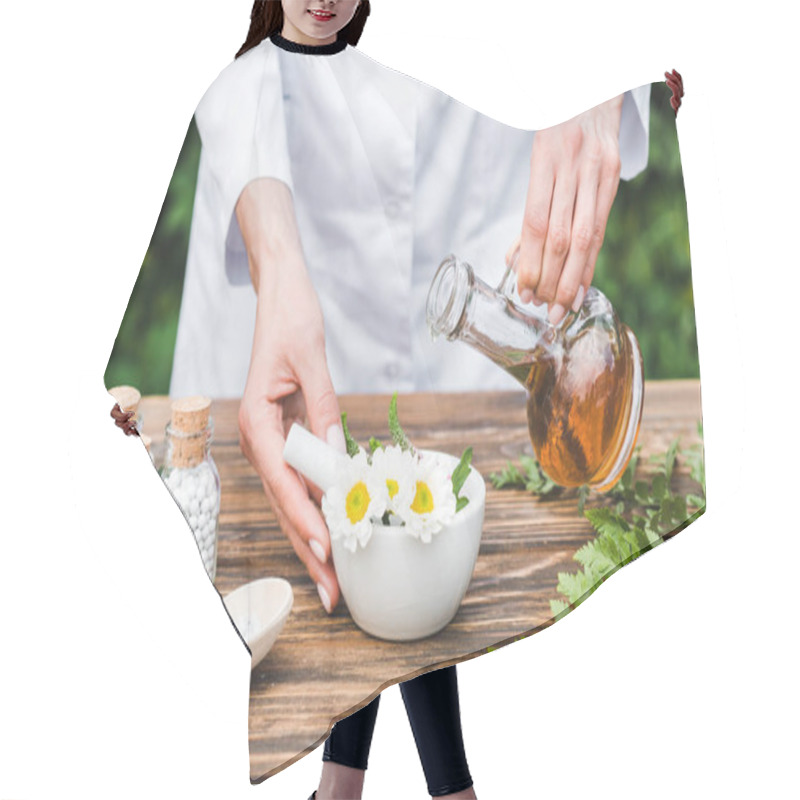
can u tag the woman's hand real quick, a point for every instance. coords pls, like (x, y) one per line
(288, 378)
(575, 170)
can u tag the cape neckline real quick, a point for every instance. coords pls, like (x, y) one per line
(308, 49)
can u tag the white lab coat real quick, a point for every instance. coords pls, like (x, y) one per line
(388, 176)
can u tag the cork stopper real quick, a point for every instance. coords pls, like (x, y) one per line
(188, 430)
(127, 398)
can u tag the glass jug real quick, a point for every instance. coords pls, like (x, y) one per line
(583, 376)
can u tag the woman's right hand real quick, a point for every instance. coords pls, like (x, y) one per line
(288, 379)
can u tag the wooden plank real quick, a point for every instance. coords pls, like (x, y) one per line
(323, 667)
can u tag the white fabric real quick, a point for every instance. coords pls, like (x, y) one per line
(388, 176)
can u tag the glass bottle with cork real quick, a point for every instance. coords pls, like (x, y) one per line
(191, 475)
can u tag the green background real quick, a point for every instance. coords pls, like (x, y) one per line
(643, 267)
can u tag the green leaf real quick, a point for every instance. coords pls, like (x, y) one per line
(536, 481)
(642, 492)
(461, 472)
(659, 486)
(575, 585)
(592, 558)
(624, 487)
(669, 461)
(352, 444)
(673, 511)
(635, 539)
(695, 500)
(528, 475)
(509, 477)
(604, 520)
(633, 524)
(653, 538)
(627, 477)
(695, 458)
(583, 493)
(614, 547)
(374, 445)
(558, 607)
(398, 434)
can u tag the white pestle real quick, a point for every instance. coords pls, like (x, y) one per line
(313, 458)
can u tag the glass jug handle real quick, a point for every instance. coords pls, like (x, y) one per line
(508, 285)
(508, 288)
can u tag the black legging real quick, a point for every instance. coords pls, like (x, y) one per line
(432, 706)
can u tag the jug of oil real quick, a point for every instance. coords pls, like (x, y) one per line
(584, 376)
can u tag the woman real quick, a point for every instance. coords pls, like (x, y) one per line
(431, 699)
(333, 187)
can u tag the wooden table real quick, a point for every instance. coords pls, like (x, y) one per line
(323, 667)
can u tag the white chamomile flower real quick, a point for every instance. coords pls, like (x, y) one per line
(396, 468)
(356, 498)
(434, 504)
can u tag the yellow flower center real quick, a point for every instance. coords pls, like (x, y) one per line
(423, 499)
(392, 486)
(357, 502)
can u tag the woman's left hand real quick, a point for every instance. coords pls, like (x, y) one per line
(574, 177)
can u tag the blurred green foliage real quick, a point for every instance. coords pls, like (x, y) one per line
(643, 267)
(142, 354)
